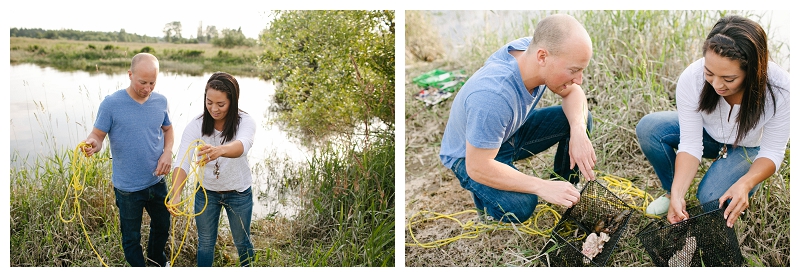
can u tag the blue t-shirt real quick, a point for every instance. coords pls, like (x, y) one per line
(135, 135)
(490, 107)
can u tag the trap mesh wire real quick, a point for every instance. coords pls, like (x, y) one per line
(566, 241)
(701, 240)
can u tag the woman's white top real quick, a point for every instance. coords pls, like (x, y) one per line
(771, 132)
(234, 173)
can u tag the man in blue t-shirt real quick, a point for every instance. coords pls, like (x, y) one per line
(140, 135)
(493, 122)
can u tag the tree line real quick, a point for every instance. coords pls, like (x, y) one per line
(226, 38)
(69, 34)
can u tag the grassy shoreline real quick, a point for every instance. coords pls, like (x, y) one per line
(346, 217)
(111, 57)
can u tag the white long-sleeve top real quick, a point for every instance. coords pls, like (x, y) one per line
(234, 173)
(771, 131)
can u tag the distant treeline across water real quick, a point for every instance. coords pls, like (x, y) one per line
(120, 36)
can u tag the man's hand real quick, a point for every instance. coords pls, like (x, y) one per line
(93, 147)
(559, 192)
(95, 141)
(164, 163)
(581, 152)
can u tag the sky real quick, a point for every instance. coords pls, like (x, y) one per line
(252, 21)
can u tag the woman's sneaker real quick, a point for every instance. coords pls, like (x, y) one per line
(658, 207)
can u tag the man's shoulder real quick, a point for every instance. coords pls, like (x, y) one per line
(520, 43)
(114, 98)
(158, 96)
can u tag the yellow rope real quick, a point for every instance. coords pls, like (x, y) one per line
(473, 229)
(186, 206)
(622, 187)
(79, 164)
(628, 193)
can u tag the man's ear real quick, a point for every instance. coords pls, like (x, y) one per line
(541, 56)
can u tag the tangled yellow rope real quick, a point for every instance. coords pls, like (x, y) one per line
(473, 229)
(628, 193)
(80, 164)
(79, 167)
(622, 187)
(186, 206)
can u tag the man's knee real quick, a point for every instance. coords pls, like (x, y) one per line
(516, 209)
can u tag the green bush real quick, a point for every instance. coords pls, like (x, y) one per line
(148, 49)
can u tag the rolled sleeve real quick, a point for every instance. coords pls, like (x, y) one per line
(776, 131)
(246, 133)
(691, 121)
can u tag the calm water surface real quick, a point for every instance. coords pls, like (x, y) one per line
(51, 109)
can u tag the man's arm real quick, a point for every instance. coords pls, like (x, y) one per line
(581, 151)
(165, 161)
(483, 168)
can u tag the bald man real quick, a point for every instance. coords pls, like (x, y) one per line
(140, 135)
(493, 122)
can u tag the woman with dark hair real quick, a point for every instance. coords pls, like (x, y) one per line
(733, 107)
(227, 133)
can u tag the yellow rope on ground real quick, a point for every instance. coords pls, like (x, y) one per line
(186, 206)
(625, 190)
(621, 187)
(79, 164)
(530, 226)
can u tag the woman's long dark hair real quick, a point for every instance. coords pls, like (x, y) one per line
(226, 83)
(743, 40)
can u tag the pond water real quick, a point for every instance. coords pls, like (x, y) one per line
(52, 110)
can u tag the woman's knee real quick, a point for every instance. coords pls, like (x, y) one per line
(656, 127)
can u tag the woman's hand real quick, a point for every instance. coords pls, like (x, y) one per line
(677, 210)
(738, 194)
(173, 205)
(210, 153)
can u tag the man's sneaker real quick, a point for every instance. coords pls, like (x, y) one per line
(659, 207)
(168, 265)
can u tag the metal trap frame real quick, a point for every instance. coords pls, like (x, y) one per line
(702, 240)
(567, 238)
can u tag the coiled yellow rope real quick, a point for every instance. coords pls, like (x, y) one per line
(79, 167)
(622, 187)
(185, 208)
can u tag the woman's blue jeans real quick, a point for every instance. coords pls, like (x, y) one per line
(131, 206)
(543, 128)
(239, 209)
(659, 134)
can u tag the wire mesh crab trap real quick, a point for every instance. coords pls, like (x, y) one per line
(702, 240)
(588, 232)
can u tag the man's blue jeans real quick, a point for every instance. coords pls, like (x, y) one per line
(659, 135)
(542, 129)
(239, 209)
(131, 206)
